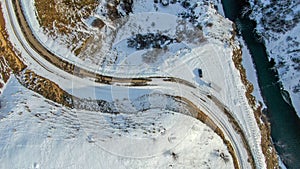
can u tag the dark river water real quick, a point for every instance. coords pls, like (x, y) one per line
(285, 124)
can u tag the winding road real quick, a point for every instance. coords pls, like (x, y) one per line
(198, 95)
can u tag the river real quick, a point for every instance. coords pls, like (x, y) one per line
(285, 124)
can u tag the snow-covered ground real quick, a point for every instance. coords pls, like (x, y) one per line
(2, 84)
(251, 71)
(279, 25)
(115, 56)
(37, 133)
(211, 52)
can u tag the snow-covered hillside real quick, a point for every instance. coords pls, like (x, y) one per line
(4, 73)
(279, 25)
(37, 133)
(108, 51)
(156, 39)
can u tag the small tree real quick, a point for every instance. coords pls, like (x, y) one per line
(224, 157)
(174, 155)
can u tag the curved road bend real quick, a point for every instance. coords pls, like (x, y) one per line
(68, 67)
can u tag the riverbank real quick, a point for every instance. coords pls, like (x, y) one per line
(212, 66)
(282, 117)
(280, 34)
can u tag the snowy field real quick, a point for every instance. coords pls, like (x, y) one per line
(211, 52)
(108, 51)
(37, 133)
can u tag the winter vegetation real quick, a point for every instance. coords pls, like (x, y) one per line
(279, 27)
(87, 124)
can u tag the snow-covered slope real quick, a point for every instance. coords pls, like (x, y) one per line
(108, 50)
(205, 42)
(37, 133)
(279, 25)
(4, 73)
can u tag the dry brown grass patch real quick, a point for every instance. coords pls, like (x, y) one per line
(64, 17)
(7, 53)
(46, 88)
(63, 13)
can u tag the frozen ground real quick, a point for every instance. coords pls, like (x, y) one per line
(115, 56)
(37, 133)
(212, 53)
